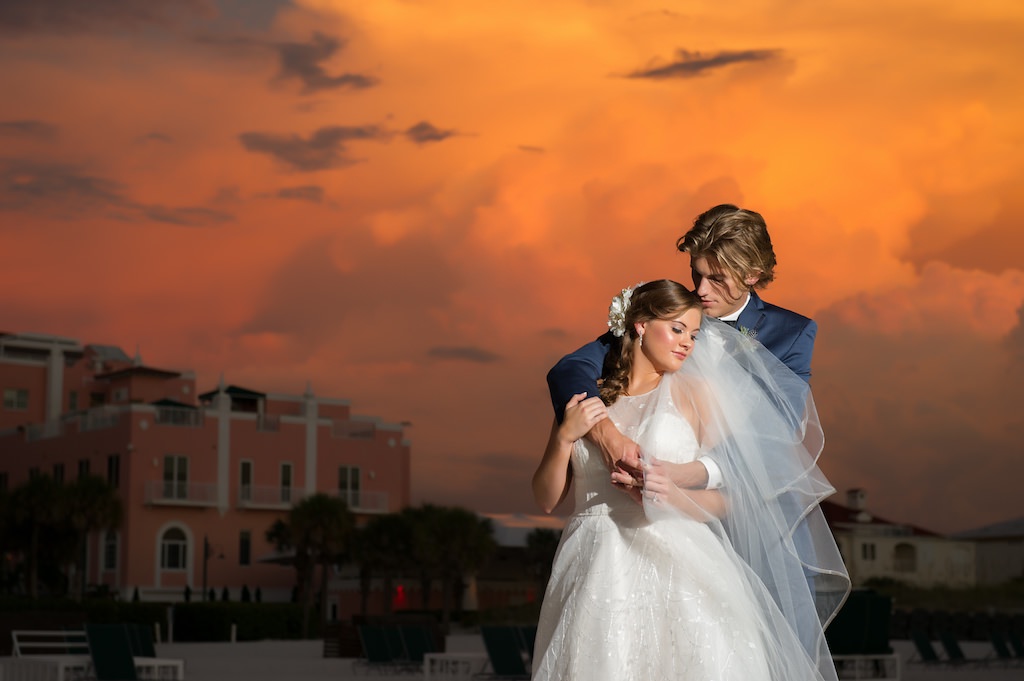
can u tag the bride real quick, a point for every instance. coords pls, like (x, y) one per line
(666, 583)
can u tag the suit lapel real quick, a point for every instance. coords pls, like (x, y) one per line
(753, 314)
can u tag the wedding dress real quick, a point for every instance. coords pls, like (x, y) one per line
(647, 593)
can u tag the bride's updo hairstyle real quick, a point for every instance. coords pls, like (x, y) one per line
(662, 299)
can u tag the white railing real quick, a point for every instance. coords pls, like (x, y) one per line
(269, 496)
(268, 422)
(179, 416)
(357, 430)
(42, 431)
(97, 419)
(365, 501)
(164, 493)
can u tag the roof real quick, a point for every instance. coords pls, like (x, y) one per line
(233, 391)
(838, 515)
(168, 402)
(1007, 529)
(139, 371)
(109, 353)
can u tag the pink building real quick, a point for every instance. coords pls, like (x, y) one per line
(201, 476)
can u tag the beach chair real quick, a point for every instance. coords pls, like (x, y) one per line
(954, 654)
(1001, 648)
(378, 655)
(923, 645)
(527, 637)
(505, 652)
(419, 641)
(111, 651)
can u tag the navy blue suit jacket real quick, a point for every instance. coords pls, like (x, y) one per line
(786, 334)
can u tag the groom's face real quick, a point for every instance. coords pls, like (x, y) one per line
(719, 292)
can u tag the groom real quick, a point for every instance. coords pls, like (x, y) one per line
(731, 255)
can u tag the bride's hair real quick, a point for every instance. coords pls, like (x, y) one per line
(662, 299)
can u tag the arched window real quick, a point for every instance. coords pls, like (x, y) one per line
(173, 549)
(905, 558)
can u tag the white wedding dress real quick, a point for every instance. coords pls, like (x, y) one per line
(645, 593)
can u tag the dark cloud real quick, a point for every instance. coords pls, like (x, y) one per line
(907, 413)
(466, 354)
(65, 192)
(423, 132)
(72, 16)
(311, 193)
(324, 149)
(690, 64)
(304, 62)
(188, 216)
(29, 129)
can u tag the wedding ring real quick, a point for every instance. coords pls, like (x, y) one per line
(655, 498)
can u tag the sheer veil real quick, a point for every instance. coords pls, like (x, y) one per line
(759, 424)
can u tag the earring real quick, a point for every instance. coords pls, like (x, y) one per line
(641, 340)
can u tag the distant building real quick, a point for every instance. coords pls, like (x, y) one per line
(201, 476)
(999, 549)
(876, 548)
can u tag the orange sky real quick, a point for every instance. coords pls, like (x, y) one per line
(419, 206)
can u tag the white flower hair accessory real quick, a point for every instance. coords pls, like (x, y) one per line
(617, 310)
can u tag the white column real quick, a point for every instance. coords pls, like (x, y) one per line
(222, 405)
(54, 384)
(311, 413)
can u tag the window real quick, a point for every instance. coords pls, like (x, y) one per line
(16, 399)
(58, 472)
(97, 399)
(286, 482)
(121, 395)
(905, 558)
(114, 470)
(244, 547)
(110, 551)
(83, 468)
(867, 551)
(73, 400)
(173, 550)
(245, 481)
(348, 485)
(175, 477)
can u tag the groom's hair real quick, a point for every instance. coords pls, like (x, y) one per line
(736, 239)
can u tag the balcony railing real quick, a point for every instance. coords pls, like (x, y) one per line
(42, 431)
(279, 498)
(164, 493)
(97, 419)
(268, 422)
(179, 416)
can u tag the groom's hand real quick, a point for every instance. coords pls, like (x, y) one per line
(619, 452)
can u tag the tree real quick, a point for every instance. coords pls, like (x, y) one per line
(383, 547)
(89, 504)
(318, 529)
(34, 514)
(541, 545)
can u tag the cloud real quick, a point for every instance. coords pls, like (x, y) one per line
(187, 217)
(690, 64)
(466, 354)
(304, 62)
(65, 192)
(73, 16)
(324, 149)
(29, 129)
(423, 132)
(311, 193)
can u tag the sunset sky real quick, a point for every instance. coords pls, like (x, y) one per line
(421, 205)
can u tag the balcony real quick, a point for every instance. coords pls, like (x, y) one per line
(98, 418)
(43, 431)
(270, 423)
(277, 498)
(179, 416)
(162, 493)
(356, 430)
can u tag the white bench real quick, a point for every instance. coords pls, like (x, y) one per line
(64, 655)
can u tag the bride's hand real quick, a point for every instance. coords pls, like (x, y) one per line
(580, 416)
(658, 485)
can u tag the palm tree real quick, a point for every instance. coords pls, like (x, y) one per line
(318, 528)
(34, 514)
(383, 547)
(541, 545)
(448, 544)
(89, 504)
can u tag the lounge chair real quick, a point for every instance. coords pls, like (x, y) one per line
(1002, 650)
(111, 651)
(923, 645)
(505, 652)
(378, 653)
(954, 654)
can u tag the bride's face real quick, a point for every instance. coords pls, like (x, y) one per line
(668, 342)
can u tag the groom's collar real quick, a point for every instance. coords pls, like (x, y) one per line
(736, 315)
